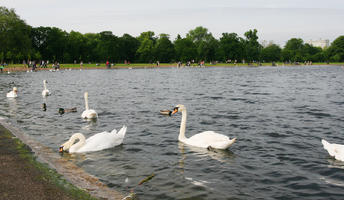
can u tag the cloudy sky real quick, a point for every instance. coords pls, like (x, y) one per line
(276, 20)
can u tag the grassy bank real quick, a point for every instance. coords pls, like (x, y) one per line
(25, 177)
(21, 67)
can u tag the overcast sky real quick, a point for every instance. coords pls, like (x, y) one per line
(276, 20)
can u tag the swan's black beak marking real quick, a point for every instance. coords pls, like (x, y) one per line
(61, 149)
(175, 110)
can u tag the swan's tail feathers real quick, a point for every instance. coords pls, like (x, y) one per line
(231, 142)
(122, 132)
(329, 147)
(325, 143)
(223, 144)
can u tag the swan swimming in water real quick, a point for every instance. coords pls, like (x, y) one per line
(13, 93)
(88, 113)
(206, 139)
(97, 142)
(45, 92)
(335, 150)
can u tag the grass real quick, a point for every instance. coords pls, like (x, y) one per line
(141, 65)
(47, 174)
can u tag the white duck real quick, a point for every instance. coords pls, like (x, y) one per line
(335, 150)
(13, 93)
(45, 92)
(207, 139)
(88, 113)
(97, 142)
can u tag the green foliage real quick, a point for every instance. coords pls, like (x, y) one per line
(252, 46)
(230, 47)
(145, 51)
(14, 35)
(336, 50)
(271, 53)
(185, 49)
(205, 43)
(164, 49)
(19, 41)
(128, 46)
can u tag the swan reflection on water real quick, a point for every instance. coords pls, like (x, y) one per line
(13, 107)
(216, 154)
(91, 123)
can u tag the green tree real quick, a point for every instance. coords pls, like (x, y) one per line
(311, 53)
(271, 53)
(230, 47)
(75, 47)
(252, 46)
(206, 44)
(164, 49)
(145, 51)
(14, 36)
(185, 49)
(336, 50)
(128, 46)
(91, 44)
(293, 50)
(108, 47)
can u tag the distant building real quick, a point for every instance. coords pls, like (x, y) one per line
(266, 43)
(319, 43)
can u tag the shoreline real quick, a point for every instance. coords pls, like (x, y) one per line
(58, 173)
(21, 68)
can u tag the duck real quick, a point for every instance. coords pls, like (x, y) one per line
(88, 113)
(165, 112)
(13, 93)
(335, 150)
(206, 139)
(45, 92)
(44, 106)
(66, 110)
(97, 142)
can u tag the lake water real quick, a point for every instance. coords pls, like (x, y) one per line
(278, 115)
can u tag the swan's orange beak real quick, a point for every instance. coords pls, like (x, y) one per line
(174, 111)
(61, 149)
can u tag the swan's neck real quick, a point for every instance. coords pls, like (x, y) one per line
(45, 85)
(181, 136)
(86, 101)
(78, 145)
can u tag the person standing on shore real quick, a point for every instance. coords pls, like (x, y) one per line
(2, 67)
(107, 64)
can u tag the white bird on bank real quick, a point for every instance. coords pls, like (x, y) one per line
(335, 150)
(13, 93)
(88, 113)
(207, 139)
(45, 92)
(97, 142)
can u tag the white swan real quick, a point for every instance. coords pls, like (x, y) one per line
(207, 139)
(97, 142)
(335, 150)
(88, 113)
(45, 92)
(13, 93)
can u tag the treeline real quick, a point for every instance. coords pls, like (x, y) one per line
(19, 41)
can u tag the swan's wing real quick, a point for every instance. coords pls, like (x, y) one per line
(103, 140)
(335, 150)
(121, 133)
(210, 138)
